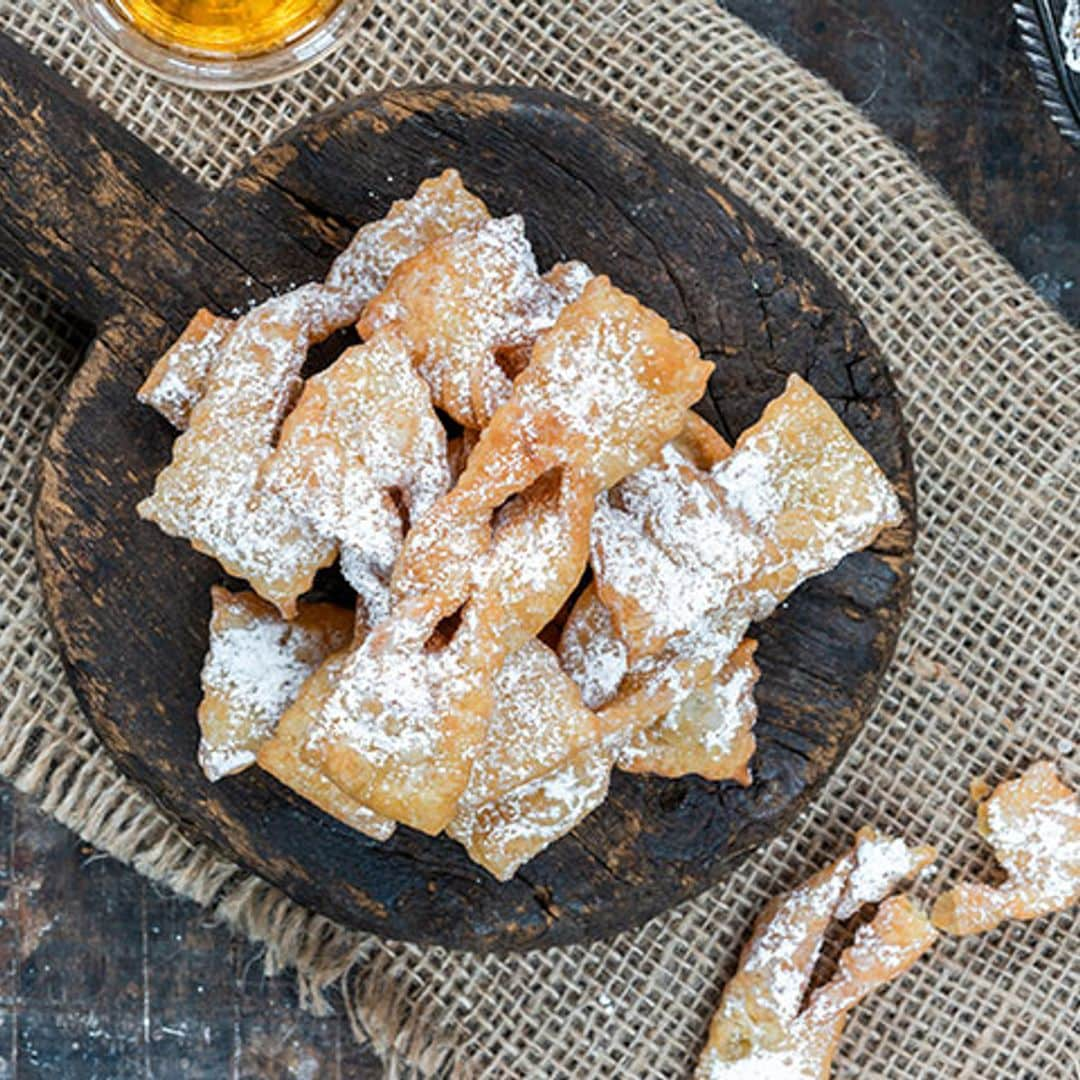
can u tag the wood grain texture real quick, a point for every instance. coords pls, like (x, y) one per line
(130, 606)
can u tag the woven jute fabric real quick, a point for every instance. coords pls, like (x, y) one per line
(984, 679)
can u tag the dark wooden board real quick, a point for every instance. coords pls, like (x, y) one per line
(138, 248)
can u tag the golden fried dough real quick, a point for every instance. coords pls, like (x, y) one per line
(254, 668)
(439, 206)
(606, 387)
(211, 492)
(464, 300)
(178, 380)
(1033, 825)
(506, 833)
(761, 1028)
(397, 723)
(709, 733)
(361, 454)
(805, 484)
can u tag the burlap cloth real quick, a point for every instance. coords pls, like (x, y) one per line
(985, 676)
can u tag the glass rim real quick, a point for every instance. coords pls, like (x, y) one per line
(217, 71)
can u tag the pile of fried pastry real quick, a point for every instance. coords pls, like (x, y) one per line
(555, 560)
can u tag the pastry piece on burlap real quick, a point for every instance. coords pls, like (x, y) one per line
(464, 300)
(761, 1028)
(440, 205)
(254, 668)
(606, 387)
(360, 456)
(399, 720)
(1032, 824)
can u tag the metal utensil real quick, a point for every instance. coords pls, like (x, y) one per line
(1043, 26)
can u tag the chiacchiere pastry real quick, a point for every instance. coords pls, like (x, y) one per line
(497, 430)
(1032, 824)
(464, 300)
(254, 668)
(361, 454)
(400, 721)
(762, 1029)
(605, 388)
(231, 388)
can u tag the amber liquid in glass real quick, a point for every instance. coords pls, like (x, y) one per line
(233, 27)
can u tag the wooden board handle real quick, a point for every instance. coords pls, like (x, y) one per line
(86, 209)
(93, 214)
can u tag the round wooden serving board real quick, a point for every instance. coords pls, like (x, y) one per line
(134, 248)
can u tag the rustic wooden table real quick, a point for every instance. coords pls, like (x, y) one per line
(103, 975)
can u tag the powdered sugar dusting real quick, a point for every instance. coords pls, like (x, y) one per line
(708, 733)
(1040, 848)
(538, 722)
(253, 670)
(590, 651)
(211, 493)
(363, 431)
(762, 1028)
(178, 379)
(807, 486)
(462, 300)
(881, 863)
(505, 834)
(1033, 825)
(668, 550)
(398, 722)
(440, 206)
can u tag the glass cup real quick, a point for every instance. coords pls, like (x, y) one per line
(223, 44)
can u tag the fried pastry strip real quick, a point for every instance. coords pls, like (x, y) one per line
(514, 826)
(649, 536)
(761, 1028)
(668, 549)
(505, 833)
(1033, 825)
(806, 484)
(439, 206)
(360, 454)
(606, 387)
(211, 493)
(398, 722)
(709, 733)
(254, 668)
(677, 543)
(178, 380)
(464, 300)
